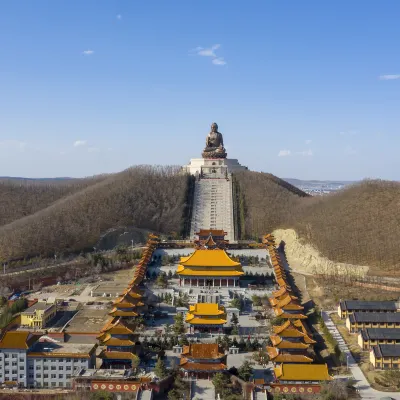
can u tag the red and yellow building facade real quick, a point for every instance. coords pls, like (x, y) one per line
(206, 317)
(209, 268)
(292, 342)
(202, 360)
(118, 335)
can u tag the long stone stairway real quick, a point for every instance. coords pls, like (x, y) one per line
(213, 205)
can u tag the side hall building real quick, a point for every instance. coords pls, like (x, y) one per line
(373, 336)
(385, 356)
(362, 320)
(347, 307)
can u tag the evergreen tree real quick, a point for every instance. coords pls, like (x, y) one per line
(160, 369)
(245, 371)
(179, 326)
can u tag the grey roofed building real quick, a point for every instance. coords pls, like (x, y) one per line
(365, 317)
(347, 307)
(358, 305)
(381, 334)
(386, 350)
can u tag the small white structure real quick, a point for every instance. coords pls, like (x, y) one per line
(177, 349)
(213, 166)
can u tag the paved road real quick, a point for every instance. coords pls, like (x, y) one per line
(203, 390)
(365, 389)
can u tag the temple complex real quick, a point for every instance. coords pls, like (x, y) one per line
(209, 268)
(202, 360)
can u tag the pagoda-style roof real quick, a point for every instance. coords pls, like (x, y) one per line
(134, 292)
(203, 351)
(280, 313)
(210, 242)
(302, 372)
(206, 314)
(115, 312)
(280, 343)
(116, 326)
(189, 366)
(282, 292)
(277, 357)
(199, 271)
(117, 355)
(207, 309)
(191, 319)
(108, 340)
(290, 330)
(289, 303)
(126, 301)
(209, 258)
(208, 232)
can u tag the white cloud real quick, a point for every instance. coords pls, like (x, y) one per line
(389, 77)
(219, 61)
(93, 149)
(12, 144)
(209, 52)
(305, 153)
(284, 153)
(119, 16)
(308, 141)
(349, 151)
(78, 143)
(88, 52)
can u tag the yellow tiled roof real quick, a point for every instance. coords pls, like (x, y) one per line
(116, 326)
(302, 372)
(276, 356)
(209, 258)
(191, 319)
(120, 313)
(117, 355)
(112, 341)
(203, 351)
(280, 343)
(280, 313)
(185, 271)
(207, 309)
(17, 340)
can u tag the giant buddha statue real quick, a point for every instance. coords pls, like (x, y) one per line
(214, 144)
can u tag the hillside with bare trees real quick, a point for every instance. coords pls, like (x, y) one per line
(145, 197)
(263, 202)
(359, 224)
(22, 197)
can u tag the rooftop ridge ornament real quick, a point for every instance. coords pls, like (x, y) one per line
(214, 144)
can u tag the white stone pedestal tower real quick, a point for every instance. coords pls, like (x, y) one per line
(213, 201)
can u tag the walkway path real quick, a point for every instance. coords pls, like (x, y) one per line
(365, 389)
(203, 390)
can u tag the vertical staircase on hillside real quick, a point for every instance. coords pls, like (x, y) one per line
(213, 205)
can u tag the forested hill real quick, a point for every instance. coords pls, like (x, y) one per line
(145, 197)
(359, 224)
(21, 197)
(264, 201)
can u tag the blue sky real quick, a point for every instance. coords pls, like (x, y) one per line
(307, 90)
